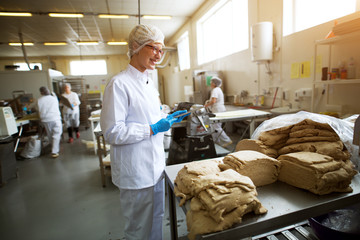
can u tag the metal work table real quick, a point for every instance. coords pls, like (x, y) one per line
(94, 120)
(20, 123)
(237, 115)
(286, 205)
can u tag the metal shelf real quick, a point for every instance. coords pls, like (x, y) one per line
(338, 81)
(338, 39)
(300, 231)
(353, 37)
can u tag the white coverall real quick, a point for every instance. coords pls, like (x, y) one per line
(131, 103)
(50, 117)
(72, 117)
(219, 136)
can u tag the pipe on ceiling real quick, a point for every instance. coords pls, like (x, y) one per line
(23, 50)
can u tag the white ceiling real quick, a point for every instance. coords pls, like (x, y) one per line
(42, 28)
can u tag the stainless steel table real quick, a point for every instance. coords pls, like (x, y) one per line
(286, 205)
(232, 116)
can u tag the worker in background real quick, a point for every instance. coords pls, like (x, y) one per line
(50, 116)
(71, 116)
(216, 104)
(132, 123)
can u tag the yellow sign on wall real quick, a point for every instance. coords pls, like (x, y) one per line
(305, 69)
(295, 70)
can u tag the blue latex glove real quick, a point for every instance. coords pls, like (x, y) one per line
(174, 119)
(72, 105)
(165, 123)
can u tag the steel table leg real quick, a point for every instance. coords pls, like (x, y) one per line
(172, 213)
(18, 139)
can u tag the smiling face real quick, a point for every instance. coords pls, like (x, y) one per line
(147, 57)
(67, 89)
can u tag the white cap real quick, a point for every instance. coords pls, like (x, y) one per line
(144, 34)
(217, 81)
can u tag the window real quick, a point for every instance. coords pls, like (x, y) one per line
(223, 30)
(184, 51)
(24, 67)
(302, 14)
(93, 67)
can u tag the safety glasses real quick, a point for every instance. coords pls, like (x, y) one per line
(156, 50)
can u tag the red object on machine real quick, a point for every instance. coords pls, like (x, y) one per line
(272, 105)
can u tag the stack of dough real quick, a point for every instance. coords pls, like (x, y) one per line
(305, 136)
(256, 145)
(311, 136)
(275, 138)
(260, 168)
(311, 154)
(320, 174)
(333, 149)
(304, 131)
(219, 198)
(184, 187)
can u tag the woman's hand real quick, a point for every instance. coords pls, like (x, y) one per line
(164, 124)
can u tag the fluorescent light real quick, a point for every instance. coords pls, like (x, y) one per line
(113, 16)
(55, 43)
(117, 43)
(67, 15)
(87, 43)
(15, 14)
(19, 44)
(162, 17)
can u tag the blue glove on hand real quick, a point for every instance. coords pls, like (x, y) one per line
(173, 117)
(165, 123)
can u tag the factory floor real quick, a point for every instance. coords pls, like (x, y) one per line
(62, 198)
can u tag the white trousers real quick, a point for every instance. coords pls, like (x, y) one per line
(220, 136)
(72, 119)
(143, 210)
(54, 131)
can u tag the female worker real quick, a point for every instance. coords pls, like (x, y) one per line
(71, 115)
(216, 104)
(132, 124)
(49, 112)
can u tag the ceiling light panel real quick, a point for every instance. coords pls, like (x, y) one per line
(19, 44)
(67, 15)
(113, 16)
(55, 43)
(117, 43)
(15, 14)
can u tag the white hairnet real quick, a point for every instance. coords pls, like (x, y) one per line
(144, 34)
(44, 91)
(67, 85)
(217, 81)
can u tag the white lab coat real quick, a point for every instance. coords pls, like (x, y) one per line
(72, 116)
(131, 103)
(219, 136)
(48, 107)
(219, 105)
(50, 117)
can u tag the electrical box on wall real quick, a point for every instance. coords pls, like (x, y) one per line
(303, 92)
(261, 41)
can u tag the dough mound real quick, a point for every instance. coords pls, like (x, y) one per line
(256, 145)
(320, 174)
(219, 199)
(260, 168)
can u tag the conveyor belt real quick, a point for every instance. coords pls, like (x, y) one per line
(300, 231)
